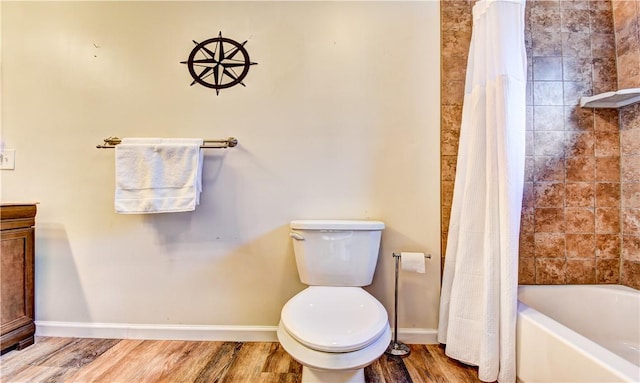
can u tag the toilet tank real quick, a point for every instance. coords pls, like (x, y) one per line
(336, 252)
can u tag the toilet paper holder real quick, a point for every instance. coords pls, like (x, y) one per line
(398, 348)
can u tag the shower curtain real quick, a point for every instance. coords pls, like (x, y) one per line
(478, 304)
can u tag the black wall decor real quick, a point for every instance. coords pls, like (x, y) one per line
(218, 63)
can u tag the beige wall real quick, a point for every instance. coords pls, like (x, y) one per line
(339, 119)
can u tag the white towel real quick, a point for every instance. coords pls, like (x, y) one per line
(158, 175)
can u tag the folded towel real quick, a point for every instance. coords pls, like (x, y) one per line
(157, 175)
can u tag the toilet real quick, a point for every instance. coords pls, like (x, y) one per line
(335, 328)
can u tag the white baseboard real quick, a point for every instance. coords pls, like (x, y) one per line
(192, 332)
(156, 332)
(418, 335)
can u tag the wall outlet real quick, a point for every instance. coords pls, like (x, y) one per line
(8, 159)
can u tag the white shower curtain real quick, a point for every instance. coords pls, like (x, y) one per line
(478, 305)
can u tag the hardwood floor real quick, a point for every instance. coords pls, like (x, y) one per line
(133, 360)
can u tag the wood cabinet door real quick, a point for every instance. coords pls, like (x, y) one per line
(16, 279)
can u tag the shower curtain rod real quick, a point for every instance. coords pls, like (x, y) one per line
(111, 142)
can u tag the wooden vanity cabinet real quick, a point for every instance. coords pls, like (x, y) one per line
(17, 326)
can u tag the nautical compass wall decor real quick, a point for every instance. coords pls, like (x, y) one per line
(218, 63)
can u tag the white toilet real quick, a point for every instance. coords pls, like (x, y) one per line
(334, 328)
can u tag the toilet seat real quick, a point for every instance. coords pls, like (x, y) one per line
(352, 319)
(333, 360)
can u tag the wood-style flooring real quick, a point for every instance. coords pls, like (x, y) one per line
(140, 361)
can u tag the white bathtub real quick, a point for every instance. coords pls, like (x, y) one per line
(578, 333)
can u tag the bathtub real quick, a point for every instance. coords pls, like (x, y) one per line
(578, 333)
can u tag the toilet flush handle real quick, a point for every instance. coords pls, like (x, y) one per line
(296, 235)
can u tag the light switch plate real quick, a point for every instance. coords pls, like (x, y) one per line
(8, 159)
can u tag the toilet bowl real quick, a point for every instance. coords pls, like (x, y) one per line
(334, 332)
(335, 328)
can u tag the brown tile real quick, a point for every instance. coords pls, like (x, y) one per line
(607, 220)
(624, 13)
(580, 169)
(627, 39)
(630, 117)
(577, 118)
(452, 92)
(455, 16)
(580, 271)
(445, 214)
(549, 194)
(575, 44)
(526, 271)
(446, 193)
(448, 168)
(602, 45)
(529, 168)
(527, 220)
(549, 220)
(631, 247)
(606, 120)
(526, 245)
(579, 144)
(575, 4)
(551, 4)
(631, 168)
(580, 245)
(528, 143)
(456, 42)
(630, 274)
(544, 20)
(629, 82)
(631, 194)
(604, 75)
(600, 4)
(629, 65)
(630, 221)
(607, 194)
(602, 20)
(549, 245)
(454, 68)
(549, 169)
(630, 141)
(451, 117)
(608, 169)
(550, 271)
(528, 195)
(607, 144)
(449, 142)
(579, 194)
(607, 271)
(608, 246)
(579, 220)
(575, 20)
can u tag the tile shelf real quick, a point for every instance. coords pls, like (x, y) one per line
(617, 99)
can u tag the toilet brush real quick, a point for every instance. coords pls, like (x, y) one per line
(396, 348)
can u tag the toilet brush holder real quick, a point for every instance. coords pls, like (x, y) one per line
(396, 348)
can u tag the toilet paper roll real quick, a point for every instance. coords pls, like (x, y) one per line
(412, 262)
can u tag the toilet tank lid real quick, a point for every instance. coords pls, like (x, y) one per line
(336, 224)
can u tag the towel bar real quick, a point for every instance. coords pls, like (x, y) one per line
(111, 142)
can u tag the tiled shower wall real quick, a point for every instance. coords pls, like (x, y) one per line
(626, 18)
(571, 221)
